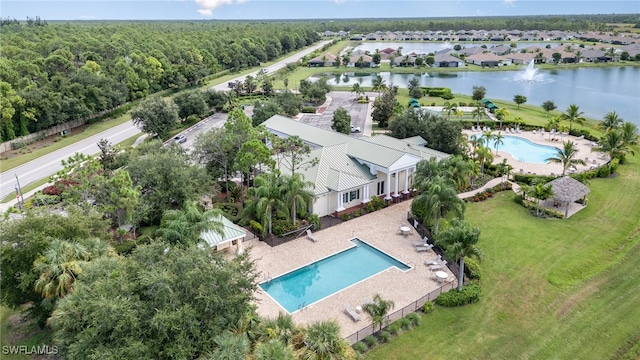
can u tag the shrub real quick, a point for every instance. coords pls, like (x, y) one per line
(604, 172)
(256, 226)
(385, 336)
(282, 226)
(370, 341)
(472, 268)
(232, 211)
(356, 213)
(223, 185)
(360, 347)
(52, 190)
(346, 217)
(414, 318)
(394, 328)
(427, 308)
(369, 207)
(235, 194)
(377, 203)
(18, 145)
(42, 199)
(125, 248)
(143, 239)
(404, 323)
(468, 295)
(308, 110)
(314, 220)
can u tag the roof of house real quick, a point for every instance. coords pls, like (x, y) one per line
(342, 158)
(230, 232)
(328, 58)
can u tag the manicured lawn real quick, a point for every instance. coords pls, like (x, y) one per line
(551, 288)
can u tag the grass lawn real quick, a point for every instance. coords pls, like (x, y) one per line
(552, 289)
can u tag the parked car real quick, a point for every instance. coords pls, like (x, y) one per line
(355, 129)
(180, 139)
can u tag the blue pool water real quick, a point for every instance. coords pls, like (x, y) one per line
(524, 150)
(315, 281)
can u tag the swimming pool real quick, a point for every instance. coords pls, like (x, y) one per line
(525, 150)
(313, 282)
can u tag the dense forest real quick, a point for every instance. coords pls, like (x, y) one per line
(54, 72)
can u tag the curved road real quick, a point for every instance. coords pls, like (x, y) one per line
(49, 164)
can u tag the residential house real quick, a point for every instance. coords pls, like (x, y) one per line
(360, 60)
(351, 170)
(446, 60)
(323, 60)
(488, 60)
(520, 58)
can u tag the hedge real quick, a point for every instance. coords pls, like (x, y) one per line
(468, 295)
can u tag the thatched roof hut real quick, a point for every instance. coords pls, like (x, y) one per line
(567, 190)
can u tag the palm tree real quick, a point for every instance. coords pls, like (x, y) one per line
(438, 198)
(230, 346)
(459, 170)
(611, 121)
(479, 112)
(483, 155)
(273, 349)
(488, 136)
(265, 199)
(185, 226)
(378, 84)
(378, 310)
(572, 114)
(62, 262)
(566, 156)
(449, 108)
(502, 114)
(459, 241)
(613, 144)
(323, 341)
(629, 133)
(458, 113)
(297, 192)
(539, 192)
(498, 141)
(356, 89)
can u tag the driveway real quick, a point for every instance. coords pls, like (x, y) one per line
(346, 100)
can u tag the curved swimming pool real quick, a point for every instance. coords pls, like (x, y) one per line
(524, 150)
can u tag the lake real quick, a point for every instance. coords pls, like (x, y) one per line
(595, 90)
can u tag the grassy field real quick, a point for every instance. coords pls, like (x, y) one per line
(552, 289)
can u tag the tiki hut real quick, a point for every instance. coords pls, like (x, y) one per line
(567, 190)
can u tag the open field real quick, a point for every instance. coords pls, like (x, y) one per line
(551, 288)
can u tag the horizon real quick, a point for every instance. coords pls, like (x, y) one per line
(270, 10)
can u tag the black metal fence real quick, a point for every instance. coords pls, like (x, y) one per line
(424, 231)
(413, 307)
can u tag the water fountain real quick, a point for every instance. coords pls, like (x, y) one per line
(530, 74)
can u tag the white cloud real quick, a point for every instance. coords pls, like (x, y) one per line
(509, 3)
(207, 6)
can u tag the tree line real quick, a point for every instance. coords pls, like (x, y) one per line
(67, 71)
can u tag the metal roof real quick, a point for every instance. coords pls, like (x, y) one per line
(230, 232)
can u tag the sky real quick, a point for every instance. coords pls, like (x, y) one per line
(300, 9)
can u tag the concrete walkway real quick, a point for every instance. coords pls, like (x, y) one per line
(491, 183)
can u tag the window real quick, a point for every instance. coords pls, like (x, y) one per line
(381, 189)
(352, 195)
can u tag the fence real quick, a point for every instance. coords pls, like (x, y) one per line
(424, 231)
(413, 307)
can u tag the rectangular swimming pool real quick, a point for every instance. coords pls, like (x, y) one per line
(313, 282)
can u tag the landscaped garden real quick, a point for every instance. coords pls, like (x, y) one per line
(550, 288)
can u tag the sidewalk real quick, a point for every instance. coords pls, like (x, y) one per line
(491, 183)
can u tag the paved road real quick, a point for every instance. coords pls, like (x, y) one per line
(49, 164)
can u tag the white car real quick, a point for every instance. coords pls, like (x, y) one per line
(355, 129)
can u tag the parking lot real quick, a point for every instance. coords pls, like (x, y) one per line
(346, 100)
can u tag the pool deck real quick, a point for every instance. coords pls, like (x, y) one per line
(585, 153)
(380, 229)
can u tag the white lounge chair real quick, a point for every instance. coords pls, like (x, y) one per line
(423, 247)
(435, 261)
(311, 236)
(352, 313)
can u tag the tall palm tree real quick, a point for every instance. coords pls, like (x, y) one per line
(498, 140)
(297, 192)
(265, 199)
(459, 241)
(449, 108)
(438, 199)
(488, 136)
(459, 170)
(483, 155)
(378, 310)
(566, 156)
(611, 121)
(502, 114)
(629, 133)
(572, 114)
(378, 84)
(356, 89)
(478, 112)
(613, 144)
(323, 341)
(539, 192)
(184, 226)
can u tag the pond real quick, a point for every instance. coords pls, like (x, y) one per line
(596, 91)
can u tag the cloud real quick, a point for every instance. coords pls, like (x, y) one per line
(509, 3)
(207, 6)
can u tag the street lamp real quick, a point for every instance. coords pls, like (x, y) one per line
(19, 192)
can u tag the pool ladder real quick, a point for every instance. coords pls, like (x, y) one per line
(267, 277)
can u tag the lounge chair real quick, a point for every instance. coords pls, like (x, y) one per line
(311, 236)
(352, 313)
(425, 247)
(435, 261)
(366, 301)
(518, 130)
(535, 132)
